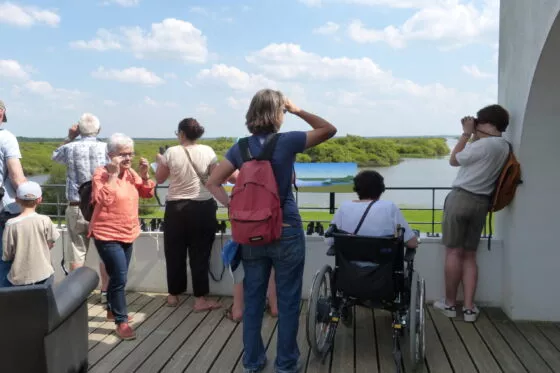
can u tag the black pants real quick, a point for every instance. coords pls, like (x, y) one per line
(189, 227)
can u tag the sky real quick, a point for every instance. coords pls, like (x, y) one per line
(370, 67)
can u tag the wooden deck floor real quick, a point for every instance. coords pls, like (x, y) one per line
(179, 340)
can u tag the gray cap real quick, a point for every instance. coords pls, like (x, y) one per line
(29, 191)
(3, 107)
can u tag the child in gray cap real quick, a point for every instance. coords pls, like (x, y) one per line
(28, 239)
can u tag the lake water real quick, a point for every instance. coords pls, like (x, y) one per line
(409, 173)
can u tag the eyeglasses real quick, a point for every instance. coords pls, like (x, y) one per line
(124, 155)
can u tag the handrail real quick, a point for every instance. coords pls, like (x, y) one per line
(60, 204)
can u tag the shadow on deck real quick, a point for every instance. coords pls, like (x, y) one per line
(180, 340)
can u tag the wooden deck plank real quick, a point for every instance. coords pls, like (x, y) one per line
(436, 358)
(519, 345)
(480, 354)
(231, 352)
(454, 347)
(109, 349)
(176, 339)
(200, 325)
(541, 344)
(343, 354)
(148, 348)
(365, 342)
(384, 334)
(505, 357)
(213, 346)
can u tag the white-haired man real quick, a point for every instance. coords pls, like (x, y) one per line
(81, 158)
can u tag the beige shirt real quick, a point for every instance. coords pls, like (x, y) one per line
(26, 242)
(183, 180)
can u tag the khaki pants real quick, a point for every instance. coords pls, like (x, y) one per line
(77, 231)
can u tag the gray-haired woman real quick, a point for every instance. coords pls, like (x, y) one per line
(116, 188)
(287, 256)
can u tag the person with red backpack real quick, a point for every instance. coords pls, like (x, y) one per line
(265, 220)
(481, 163)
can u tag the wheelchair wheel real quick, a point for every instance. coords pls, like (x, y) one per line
(319, 305)
(417, 316)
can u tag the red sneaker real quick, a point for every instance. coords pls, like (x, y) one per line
(125, 332)
(110, 316)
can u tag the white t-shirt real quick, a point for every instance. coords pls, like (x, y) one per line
(481, 163)
(382, 219)
(183, 180)
(9, 148)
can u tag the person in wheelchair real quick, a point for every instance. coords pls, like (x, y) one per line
(375, 217)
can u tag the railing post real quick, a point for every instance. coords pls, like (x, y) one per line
(331, 202)
(58, 208)
(433, 211)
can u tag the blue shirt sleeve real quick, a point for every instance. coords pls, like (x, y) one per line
(294, 141)
(234, 156)
(59, 154)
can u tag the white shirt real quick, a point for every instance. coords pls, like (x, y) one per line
(480, 165)
(9, 148)
(382, 219)
(183, 180)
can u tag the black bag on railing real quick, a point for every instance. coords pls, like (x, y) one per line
(86, 204)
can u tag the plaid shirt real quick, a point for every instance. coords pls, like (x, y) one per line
(81, 158)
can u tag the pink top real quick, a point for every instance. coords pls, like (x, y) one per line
(115, 217)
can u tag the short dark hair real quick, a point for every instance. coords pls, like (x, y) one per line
(264, 115)
(496, 115)
(369, 184)
(191, 128)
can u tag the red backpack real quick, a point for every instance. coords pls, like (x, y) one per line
(255, 211)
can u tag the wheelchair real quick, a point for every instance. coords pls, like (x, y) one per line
(392, 284)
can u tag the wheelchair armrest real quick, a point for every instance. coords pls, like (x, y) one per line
(409, 254)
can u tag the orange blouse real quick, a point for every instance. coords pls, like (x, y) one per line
(115, 217)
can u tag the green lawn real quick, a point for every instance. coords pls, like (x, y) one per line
(414, 217)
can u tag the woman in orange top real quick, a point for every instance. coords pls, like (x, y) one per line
(114, 225)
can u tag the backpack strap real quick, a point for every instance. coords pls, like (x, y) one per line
(268, 147)
(244, 149)
(363, 217)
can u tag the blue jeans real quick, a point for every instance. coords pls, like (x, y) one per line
(116, 257)
(287, 256)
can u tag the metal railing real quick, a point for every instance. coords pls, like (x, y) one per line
(154, 223)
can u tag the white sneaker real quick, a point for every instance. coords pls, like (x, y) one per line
(441, 306)
(103, 297)
(470, 315)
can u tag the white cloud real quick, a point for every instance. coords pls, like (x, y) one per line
(170, 76)
(311, 2)
(136, 75)
(105, 41)
(328, 28)
(238, 104)
(27, 16)
(189, 84)
(204, 108)
(199, 10)
(123, 3)
(237, 79)
(450, 22)
(172, 39)
(12, 69)
(475, 72)
(151, 102)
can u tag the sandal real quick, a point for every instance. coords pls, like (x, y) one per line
(228, 314)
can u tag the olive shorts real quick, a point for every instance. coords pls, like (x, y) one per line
(464, 217)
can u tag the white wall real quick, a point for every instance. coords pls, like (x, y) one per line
(529, 81)
(147, 267)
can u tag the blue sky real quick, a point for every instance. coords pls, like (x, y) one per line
(371, 67)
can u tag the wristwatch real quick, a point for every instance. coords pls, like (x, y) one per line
(466, 135)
